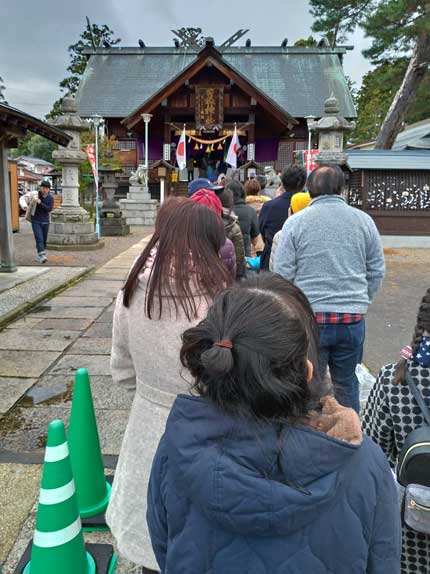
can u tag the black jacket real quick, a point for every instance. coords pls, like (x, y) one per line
(41, 215)
(273, 215)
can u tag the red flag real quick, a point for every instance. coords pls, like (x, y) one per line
(181, 152)
(232, 150)
(92, 159)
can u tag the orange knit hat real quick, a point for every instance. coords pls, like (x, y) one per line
(299, 201)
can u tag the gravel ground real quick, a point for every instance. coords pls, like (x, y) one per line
(25, 251)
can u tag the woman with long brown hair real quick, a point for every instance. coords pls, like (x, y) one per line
(168, 290)
(392, 413)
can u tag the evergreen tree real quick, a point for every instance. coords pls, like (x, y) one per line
(399, 29)
(2, 88)
(35, 145)
(92, 37)
(375, 95)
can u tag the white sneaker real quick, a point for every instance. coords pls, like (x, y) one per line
(44, 259)
(39, 258)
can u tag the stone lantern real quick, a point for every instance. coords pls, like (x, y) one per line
(331, 129)
(71, 227)
(111, 219)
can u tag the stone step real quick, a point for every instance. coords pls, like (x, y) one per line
(71, 228)
(140, 207)
(137, 196)
(140, 220)
(75, 239)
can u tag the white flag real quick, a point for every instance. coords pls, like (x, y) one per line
(231, 158)
(181, 152)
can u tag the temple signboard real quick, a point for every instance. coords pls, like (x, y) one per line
(209, 107)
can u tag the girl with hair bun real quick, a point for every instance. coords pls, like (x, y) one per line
(392, 413)
(260, 470)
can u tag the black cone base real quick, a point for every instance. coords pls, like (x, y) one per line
(97, 522)
(102, 554)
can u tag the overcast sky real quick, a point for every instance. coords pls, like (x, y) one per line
(35, 34)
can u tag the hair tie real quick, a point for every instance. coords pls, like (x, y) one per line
(226, 343)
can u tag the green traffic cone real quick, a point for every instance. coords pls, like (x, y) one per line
(58, 542)
(92, 490)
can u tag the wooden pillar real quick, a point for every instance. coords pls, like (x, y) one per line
(7, 262)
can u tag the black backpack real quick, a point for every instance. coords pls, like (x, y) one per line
(413, 466)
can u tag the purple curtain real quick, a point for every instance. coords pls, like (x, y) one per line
(266, 149)
(155, 148)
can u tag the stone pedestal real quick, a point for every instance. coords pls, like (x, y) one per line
(139, 208)
(111, 220)
(71, 228)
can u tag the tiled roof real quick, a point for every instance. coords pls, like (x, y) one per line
(389, 159)
(119, 80)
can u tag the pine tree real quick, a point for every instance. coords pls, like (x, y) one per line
(92, 37)
(399, 29)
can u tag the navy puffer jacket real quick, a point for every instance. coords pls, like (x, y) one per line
(226, 497)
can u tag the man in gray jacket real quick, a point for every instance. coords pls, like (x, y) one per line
(333, 252)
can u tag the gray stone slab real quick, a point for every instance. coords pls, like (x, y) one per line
(22, 296)
(26, 363)
(50, 340)
(56, 390)
(19, 488)
(107, 315)
(11, 390)
(65, 301)
(63, 324)
(103, 330)
(95, 346)
(92, 288)
(96, 364)
(24, 323)
(109, 274)
(111, 426)
(48, 312)
(119, 265)
(21, 275)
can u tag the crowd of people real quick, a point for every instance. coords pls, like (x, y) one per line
(244, 450)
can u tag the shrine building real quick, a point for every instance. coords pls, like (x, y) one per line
(267, 91)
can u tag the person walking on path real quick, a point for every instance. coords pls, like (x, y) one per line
(38, 206)
(334, 253)
(248, 220)
(259, 471)
(392, 413)
(275, 212)
(168, 290)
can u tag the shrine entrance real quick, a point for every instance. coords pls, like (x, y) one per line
(210, 98)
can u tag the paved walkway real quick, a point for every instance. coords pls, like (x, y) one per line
(38, 356)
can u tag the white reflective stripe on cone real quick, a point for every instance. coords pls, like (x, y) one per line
(56, 453)
(57, 495)
(58, 537)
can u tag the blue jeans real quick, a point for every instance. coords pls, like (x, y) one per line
(40, 231)
(341, 349)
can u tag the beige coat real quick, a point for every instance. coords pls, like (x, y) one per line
(145, 360)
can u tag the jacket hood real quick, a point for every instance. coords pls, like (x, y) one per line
(256, 478)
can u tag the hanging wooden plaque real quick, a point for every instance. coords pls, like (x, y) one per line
(209, 107)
